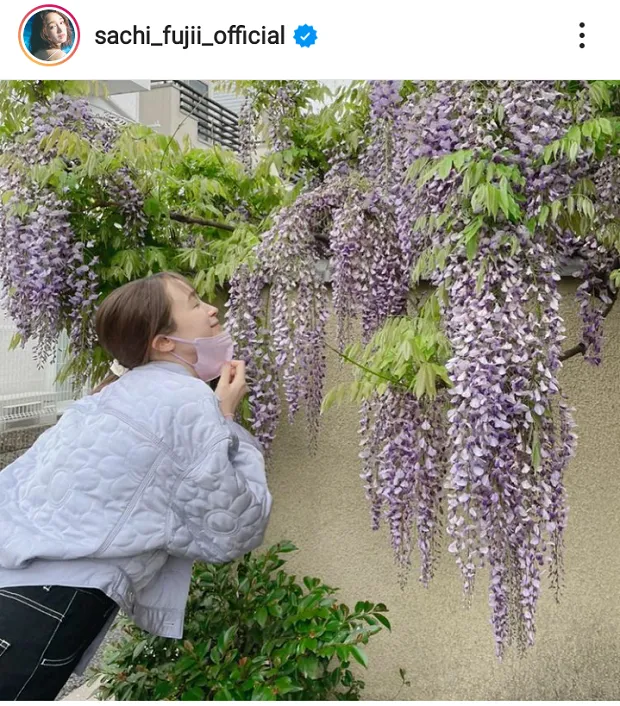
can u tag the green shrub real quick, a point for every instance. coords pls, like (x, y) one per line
(251, 633)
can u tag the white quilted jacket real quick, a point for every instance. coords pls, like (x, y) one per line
(129, 488)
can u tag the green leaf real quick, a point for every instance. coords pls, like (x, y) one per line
(285, 547)
(492, 200)
(225, 639)
(309, 666)
(461, 157)
(420, 385)
(263, 693)
(536, 457)
(261, 616)
(472, 247)
(445, 166)
(139, 649)
(223, 694)
(193, 694)
(309, 643)
(311, 583)
(499, 113)
(359, 655)
(15, 341)
(383, 620)
(152, 207)
(163, 689)
(573, 151)
(285, 685)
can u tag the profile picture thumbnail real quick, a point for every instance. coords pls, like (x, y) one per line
(49, 34)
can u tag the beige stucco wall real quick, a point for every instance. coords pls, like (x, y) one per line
(448, 650)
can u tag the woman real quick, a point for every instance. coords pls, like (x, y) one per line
(51, 34)
(110, 507)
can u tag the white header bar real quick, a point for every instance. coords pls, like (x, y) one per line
(482, 39)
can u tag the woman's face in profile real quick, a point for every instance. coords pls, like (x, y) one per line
(55, 28)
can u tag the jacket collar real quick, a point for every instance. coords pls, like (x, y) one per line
(169, 365)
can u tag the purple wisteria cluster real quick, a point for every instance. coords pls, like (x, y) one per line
(64, 112)
(48, 272)
(248, 118)
(369, 280)
(370, 267)
(593, 295)
(405, 459)
(353, 208)
(49, 281)
(247, 324)
(505, 499)
(43, 269)
(508, 452)
(296, 308)
(279, 111)
(121, 190)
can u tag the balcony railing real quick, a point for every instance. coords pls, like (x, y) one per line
(215, 122)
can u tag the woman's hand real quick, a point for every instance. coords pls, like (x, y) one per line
(232, 387)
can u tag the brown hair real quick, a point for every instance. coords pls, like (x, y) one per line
(39, 38)
(131, 316)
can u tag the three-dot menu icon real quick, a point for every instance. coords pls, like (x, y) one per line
(582, 35)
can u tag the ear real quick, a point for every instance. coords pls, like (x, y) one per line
(162, 344)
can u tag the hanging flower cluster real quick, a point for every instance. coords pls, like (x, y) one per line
(500, 312)
(286, 260)
(279, 111)
(355, 211)
(122, 191)
(248, 118)
(405, 461)
(47, 271)
(43, 265)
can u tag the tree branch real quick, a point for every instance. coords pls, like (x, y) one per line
(580, 348)
(181, 218)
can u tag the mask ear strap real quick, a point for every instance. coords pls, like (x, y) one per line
(180, 340)
(176, 355)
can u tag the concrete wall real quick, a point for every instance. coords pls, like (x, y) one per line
(447, 650)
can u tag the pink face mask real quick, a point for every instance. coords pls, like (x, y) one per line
(212, 353)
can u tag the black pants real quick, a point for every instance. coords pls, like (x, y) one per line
(44, 631)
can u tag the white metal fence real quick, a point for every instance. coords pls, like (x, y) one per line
(29, 394)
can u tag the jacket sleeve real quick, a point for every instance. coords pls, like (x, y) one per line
(244, 434)
(221, 507)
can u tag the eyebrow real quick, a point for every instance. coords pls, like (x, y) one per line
(193, 294)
